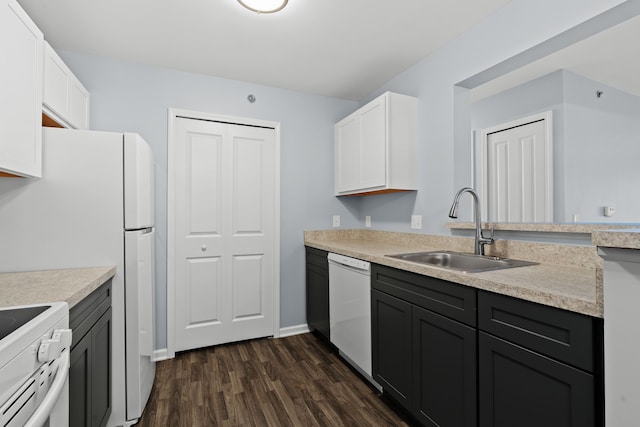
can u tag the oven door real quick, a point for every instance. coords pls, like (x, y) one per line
(43, 400)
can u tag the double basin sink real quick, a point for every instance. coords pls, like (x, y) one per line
(466, 263)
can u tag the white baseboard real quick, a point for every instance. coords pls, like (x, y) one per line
(293, 330)
(161, 354)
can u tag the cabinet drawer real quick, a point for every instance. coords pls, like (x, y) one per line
(563, 335)
(86, 313)
(448, 299)
(317, 257)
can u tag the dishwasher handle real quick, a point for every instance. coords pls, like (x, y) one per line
(354, 263)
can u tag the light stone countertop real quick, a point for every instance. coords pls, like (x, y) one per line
(568, 285)
(46, 286)
(623, 239)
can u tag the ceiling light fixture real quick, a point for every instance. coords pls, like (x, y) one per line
(264, 6)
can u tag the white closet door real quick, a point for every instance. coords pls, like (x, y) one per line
(224, 232)
(518, 174)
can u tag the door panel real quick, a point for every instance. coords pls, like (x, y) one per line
(347, 153)
(247, 287)
(202, 290)
(225, 222)
(203, 169)
(247, 192)
(374, 147)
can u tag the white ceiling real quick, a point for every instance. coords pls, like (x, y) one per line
(338, 48)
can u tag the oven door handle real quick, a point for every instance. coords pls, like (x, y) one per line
(41, 414)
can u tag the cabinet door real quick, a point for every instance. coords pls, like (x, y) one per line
(20, 92)
(347, 154)
(101, 371)
(391, 346)
(373, 144)
(318, 291)
(78, 104)
(361, 148)
(518, 387)
(65, 100)
(318, 299)
(56, 83)
(80, 385)
(444, 370)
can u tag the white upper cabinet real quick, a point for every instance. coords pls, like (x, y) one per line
(66, 100)
(375, 147)
(21, 50)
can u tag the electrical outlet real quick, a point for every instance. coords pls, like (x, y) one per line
(609, 211)
(416, 222)
(367, 221)
(336, 221)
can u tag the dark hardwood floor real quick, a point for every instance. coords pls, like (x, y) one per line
(292, 381)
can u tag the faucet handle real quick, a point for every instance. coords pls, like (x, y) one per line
(487, 240)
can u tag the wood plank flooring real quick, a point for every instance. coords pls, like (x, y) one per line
(292, 381)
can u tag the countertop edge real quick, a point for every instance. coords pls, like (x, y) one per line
(90, 287)
(622, 239)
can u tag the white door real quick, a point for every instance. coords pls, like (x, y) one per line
(518, 172)
(225, 213)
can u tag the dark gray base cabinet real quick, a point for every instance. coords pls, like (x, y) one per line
(423, 359)
(391, 320)
(90, 371)
(538, 365)
(317, 272)
(455, 356)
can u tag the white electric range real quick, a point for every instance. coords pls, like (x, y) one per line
(34, 365)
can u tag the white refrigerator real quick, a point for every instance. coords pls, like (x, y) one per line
(94, 206)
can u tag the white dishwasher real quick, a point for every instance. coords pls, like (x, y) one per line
(350, 311)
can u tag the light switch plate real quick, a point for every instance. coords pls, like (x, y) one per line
(367, 221)
(336, 221)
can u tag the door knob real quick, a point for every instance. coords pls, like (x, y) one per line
(203, 248)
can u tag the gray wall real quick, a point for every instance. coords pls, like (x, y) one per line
(539, 95)
(596, 142)
(135, 98)
(601, 151)
(444, 145)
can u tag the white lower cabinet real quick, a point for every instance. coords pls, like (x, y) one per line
(376, 146)
(21, 47)
(66, 100)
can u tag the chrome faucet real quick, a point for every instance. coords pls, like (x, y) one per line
(453, 213)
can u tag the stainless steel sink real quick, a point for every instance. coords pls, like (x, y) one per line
(467, 263)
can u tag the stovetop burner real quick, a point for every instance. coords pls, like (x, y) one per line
(12, 319)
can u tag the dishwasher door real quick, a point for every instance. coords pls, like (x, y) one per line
(350, 310)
